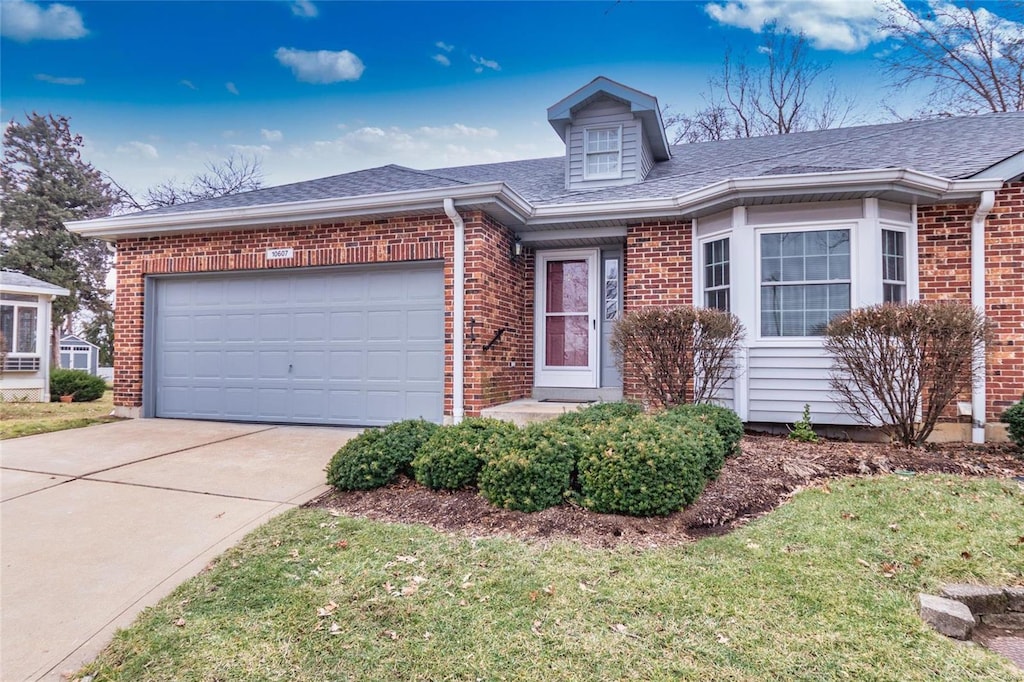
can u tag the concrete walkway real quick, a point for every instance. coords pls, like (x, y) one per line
(98, 523)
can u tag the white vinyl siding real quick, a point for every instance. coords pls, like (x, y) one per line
(603, 114)
(783, 379)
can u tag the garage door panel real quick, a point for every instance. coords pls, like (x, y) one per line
(384, 325)
(424, 325)
(384, 366)
(240, 327)
(346, 365)
(240, 364)
(207, 365)
(309, 327)
(359, 346)
(274, 327)
(176, 328)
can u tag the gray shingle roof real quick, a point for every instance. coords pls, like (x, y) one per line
(953, 148)
(16, 279)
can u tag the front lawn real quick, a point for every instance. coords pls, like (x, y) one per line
(822, 588)
(27, 419)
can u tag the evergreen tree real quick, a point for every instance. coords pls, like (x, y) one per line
(44, 183)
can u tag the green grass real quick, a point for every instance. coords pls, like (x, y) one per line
(26, 419)
(822, 589)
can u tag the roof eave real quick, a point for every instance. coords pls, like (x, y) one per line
(34, 291)
(919, 186)
(313, 211)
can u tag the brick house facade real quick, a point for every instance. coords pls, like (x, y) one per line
(595, 242)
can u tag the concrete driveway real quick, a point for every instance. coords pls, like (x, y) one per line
(98, 523)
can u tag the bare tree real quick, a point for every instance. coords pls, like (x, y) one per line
(237, 173)
(787, 93)
(970, 57)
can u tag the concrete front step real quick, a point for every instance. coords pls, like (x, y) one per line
(529, 410)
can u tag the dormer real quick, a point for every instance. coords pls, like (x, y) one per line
(613, 134)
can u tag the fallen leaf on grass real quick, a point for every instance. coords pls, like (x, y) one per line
(849, 516)
(180, 623)
(335, 629)
(294, 554)
(584, 587)
(894, 527)
(965, 555)
(863, 563)
(550, 589)
(722, 639)
(325, 611)
(390, 634)
(334, 512)
(623, 630)
(341, 544)
(535, 628)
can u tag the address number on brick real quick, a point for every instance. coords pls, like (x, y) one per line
(280, 254)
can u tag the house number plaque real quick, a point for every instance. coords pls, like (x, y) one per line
(280, 254)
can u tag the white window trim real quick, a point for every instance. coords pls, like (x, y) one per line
(910, 258)
(586, 139)
(796, 341)
(39, 317)
(700, 298)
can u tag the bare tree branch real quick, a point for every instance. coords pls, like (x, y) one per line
(235, 174)
(970, 57)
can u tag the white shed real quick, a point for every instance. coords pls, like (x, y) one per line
(25, 313)
(77, 353)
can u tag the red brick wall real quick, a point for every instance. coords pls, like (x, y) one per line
(490, 277)
(496, 299)
(657, 271)
(944, 240)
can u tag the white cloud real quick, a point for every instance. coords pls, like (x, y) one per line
(484, 63)
(828, 24)
(24, 21)
(139, 149)
(251, 149)
(231, 87)
(188, 84)
(59, 80)
(322, 66)
(441, 45)
(304, 9)
(271, 135)
(442, 60)
(456, 130)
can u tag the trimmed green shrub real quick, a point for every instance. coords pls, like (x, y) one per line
(1014, 417)
(375, 457)
(453, 456)
(74, 382)
(699, 428)
(642, 467)
(600, 413)
(724, 420)
(534, 468)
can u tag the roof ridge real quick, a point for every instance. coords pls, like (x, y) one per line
(429, 174)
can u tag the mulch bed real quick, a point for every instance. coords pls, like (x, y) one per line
(768, 472)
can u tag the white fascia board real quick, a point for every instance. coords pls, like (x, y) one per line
(34, 291)
(706, 198)
(300, 211)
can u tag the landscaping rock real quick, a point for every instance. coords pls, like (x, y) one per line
(980, 599)
(1014, 598)
(1007, 621)
(948, 617)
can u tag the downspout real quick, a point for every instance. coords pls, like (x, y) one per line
(988, 199)
(459, 312)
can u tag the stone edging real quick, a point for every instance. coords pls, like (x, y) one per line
(962, 606)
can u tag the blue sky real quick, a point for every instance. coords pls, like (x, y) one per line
(317, 88)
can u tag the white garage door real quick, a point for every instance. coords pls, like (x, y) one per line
(355, 346)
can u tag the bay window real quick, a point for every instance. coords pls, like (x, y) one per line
(805, 281)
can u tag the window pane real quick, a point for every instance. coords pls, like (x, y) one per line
(771, 269)
(567, 284)
(7, 327)
(839, 297)
(894, 293)
(817, 267)
(566, 341)
(770, 245)
(793, 269)
(65, 360)
(81, 361)
(26, 330)
(770, 322)
(792, 244)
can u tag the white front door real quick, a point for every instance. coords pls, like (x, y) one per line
(566, 347)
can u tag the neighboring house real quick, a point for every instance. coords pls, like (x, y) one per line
(25, 304)
(388, 293)
(77, 353)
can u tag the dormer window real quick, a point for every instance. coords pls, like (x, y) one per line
(603, 153)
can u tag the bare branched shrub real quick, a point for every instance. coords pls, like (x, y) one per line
(679, 355)
(901, 365)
